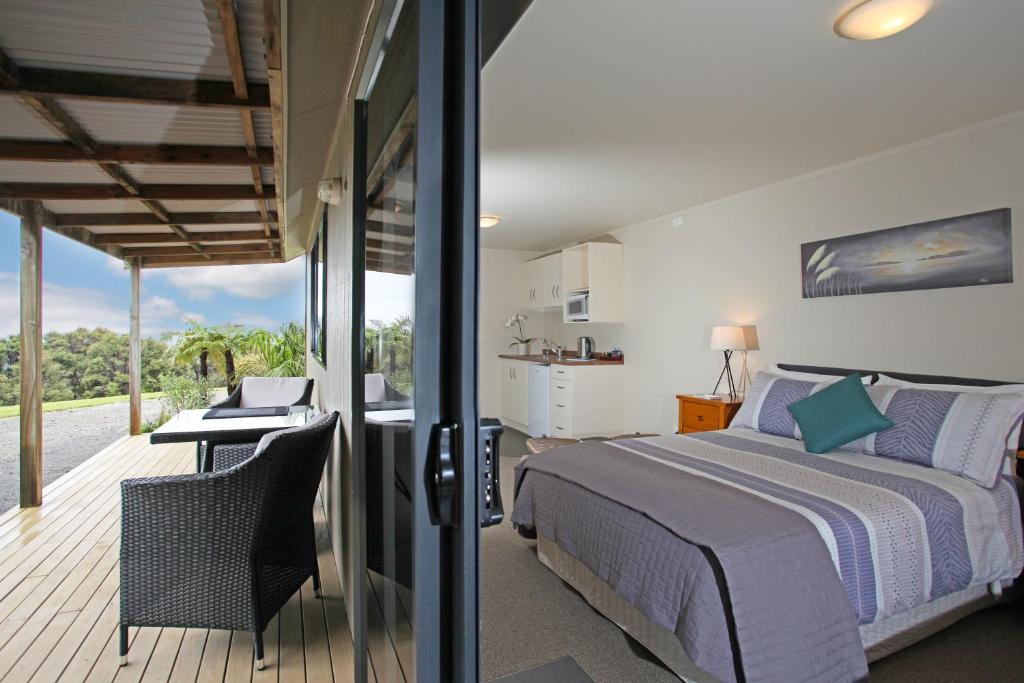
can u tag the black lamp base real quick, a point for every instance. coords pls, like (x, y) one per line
(727, 373)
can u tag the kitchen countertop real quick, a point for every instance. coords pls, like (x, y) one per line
(538, 358)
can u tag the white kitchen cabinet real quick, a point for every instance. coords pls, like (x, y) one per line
(586, 400)
(515, 383)
(544, 282)
(595, 268)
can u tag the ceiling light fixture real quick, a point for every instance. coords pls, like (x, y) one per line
(489, 220)
(873, 19)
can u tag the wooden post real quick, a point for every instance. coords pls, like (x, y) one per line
(31, 400)
(134, 352)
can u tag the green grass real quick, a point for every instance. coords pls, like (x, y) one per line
(12, 411)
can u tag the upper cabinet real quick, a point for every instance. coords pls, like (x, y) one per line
(544, 282)
(595, 269)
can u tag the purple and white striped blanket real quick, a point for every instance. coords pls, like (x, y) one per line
(893, 535)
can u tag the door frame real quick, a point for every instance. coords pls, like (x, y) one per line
(446, 621)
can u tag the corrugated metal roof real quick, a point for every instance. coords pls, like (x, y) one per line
(18, 120)
(161, 38)
(97, 206)
(150, 123)
(176, 205)
(200, 175)
(105, 229)
(45, 172)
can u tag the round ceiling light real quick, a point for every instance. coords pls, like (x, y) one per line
(873, 19)
(489, 220)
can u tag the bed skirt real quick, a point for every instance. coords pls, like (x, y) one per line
(880, 639)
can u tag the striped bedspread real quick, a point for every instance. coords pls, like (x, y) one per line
(899, 534)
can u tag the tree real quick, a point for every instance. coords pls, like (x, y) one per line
(276, 354)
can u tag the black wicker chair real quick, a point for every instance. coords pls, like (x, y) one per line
(222, 456)
(227, 549)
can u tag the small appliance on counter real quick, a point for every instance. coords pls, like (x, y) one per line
(585, 347)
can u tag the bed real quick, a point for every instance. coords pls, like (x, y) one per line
(736, 555)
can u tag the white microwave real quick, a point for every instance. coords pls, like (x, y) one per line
(577, 308)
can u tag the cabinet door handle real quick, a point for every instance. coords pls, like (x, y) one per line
(559, 405)
(552, 291)
(560, 387)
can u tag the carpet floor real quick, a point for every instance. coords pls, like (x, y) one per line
(529, 616)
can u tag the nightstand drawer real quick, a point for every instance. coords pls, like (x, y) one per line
(701, 417)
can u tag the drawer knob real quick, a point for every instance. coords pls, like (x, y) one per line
(700, 418)
(559, 405)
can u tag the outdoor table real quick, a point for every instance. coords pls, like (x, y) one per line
(189, 425)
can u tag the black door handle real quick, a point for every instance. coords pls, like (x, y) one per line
(441, 479)
(491, 510)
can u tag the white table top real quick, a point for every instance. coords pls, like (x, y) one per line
(406, 415)
(190, 423)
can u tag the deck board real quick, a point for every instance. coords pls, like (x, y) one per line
(59, 593)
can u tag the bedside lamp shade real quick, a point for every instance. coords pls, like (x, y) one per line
(728, 338)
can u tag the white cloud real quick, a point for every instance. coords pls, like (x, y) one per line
(193, 317)
(68, 308)
(257, 281)
(64, 308)
(116, 265)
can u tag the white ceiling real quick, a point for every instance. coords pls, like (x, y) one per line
(598, 114)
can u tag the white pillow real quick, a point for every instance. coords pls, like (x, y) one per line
(1012, 443)
(810, 376)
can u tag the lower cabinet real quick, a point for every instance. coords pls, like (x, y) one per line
(515, 381)
(586, 400)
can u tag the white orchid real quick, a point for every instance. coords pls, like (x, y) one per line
(517, 321)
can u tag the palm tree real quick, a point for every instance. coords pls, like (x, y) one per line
(276, 354)
(189, 345)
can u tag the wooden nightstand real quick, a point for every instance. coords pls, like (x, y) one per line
(703, 415)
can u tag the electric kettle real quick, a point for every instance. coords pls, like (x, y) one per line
(585, 347)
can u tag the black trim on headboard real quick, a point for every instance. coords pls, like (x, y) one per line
(821, 370)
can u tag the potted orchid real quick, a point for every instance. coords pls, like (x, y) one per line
(521, 341)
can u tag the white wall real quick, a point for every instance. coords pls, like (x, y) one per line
(738, 262)
(501, 275)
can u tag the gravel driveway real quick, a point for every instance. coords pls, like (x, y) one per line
(69, 437)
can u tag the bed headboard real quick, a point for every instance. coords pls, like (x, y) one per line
(907, 377)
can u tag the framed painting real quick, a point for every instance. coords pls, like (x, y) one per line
(975, 249)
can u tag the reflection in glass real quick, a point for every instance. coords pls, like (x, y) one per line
(389, 304)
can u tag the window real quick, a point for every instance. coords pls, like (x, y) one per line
(318, 292)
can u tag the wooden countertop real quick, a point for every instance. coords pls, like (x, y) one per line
(538, 358)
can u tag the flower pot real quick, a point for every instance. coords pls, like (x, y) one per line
(523, 349)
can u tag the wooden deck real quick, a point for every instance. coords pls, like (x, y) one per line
(59, 593)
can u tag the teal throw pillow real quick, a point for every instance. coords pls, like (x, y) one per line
(836, 415)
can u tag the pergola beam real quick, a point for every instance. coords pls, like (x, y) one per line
(275, 83)
(248, 248)
(171, 238)
(213, 155)
(134, 351)
(86, 85)
(31, 359)
(186, 261)
(188, 218)
(98, 191)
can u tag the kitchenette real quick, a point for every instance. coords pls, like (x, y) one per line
(565, 392)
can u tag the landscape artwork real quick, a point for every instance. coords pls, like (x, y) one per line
(953, 252)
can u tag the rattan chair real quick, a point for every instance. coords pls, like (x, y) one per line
(225, 549)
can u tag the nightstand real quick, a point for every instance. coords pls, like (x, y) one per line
(704, 415)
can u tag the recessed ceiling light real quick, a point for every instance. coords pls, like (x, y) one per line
(489, 220)
(873, 19)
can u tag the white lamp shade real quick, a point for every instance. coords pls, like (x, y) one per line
(728, 338)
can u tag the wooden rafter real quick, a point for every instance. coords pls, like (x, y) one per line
(79, 234)
(130, 89)
(172, 238)
(275, 82)
(233, 47)
(245, 248)
(186, 218)
(33, 150)
(185, 261)
(156, 192)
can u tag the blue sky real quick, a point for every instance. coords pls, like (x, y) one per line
(83, 287)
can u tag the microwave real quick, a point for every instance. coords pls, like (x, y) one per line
(577, 308)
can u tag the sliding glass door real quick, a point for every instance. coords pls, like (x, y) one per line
(415, 266)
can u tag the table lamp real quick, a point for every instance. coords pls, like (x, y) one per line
(728, 338)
